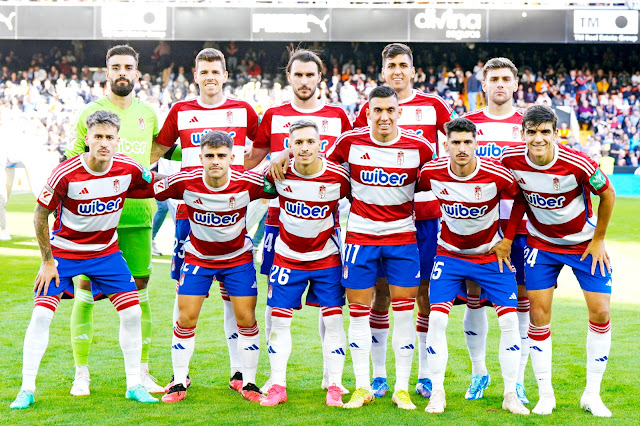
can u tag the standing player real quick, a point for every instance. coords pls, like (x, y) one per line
(189, 121)
(498, 127)
(216, 198)
(383, 161)
(425, 114)
(88, 193)
(304, 74)
(556, 182)
(139, 126)
(468, 189)
(307, 251)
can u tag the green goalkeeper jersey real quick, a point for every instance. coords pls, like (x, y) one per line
(138, 128)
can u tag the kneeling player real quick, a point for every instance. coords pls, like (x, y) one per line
(307, 251)
(88, 192)
(218, 246)
(556, 182)
(469, 247)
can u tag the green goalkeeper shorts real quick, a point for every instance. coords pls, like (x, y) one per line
(135, 244)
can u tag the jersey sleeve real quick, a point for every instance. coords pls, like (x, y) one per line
(444, 114)
(54, 190)
(169, 187)
(345, 122)
(345, 184)
(169, 132)
(339, 152)
(424, 180)
(263, 135)
(77, 143)
(427, 152)
(361, 119)
(142, 183)
(252, 123)
(258, 185)
(592, 177)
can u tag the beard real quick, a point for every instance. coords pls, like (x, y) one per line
(121, 90)
(305, 98)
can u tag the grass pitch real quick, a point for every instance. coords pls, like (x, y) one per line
(210, 401)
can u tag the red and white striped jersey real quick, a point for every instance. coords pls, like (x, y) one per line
(383, 177)
(188, 121)
(89, 204)
(273, 133)
(425, 114)
(561, 219)
(470, 217)
(307, 204)
(494, 134)
(218, 235)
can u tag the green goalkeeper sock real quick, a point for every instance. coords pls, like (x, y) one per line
(82, 326)
(143, 296)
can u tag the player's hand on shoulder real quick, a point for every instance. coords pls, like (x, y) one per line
(502, 250)
(48, 271)
(599, 257)
(279, 165)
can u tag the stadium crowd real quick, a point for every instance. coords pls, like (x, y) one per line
(43, 91)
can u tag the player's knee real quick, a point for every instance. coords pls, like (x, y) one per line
(42, 317)
(245, 319)
(131, 314)
(600, 315)
(187, 321)
(381, 297)
(508, 322)
(141, 283)
(539, 316)
(438, 320)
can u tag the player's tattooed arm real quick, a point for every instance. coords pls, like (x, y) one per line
(157, 151)
(48, 270)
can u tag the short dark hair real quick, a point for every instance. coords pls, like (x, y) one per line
(302, 124)
(497, 63)
(217, 139)
(382, 92)
(211, 55)
(103, 117)
(122, 49)
(535, 115)
(394, 49)
(304, 55)
(460, 125)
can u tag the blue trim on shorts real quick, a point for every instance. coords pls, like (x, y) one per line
(286, 287)
(271, 232)
(183, 229)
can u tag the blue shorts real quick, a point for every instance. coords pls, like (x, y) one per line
(542, 269)
(361, 265)
(449, 275)
(427, 236)
(183, 228)
(108, 274)
(517, 257)
(239, 280)
(271, 232)
(286, 287)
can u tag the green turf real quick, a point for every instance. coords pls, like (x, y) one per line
(210, 401)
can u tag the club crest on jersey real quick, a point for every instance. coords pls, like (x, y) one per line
(141, 122)
(116, 186)
(515, 132)
(322, 192)
(229, 117)
(556, 184)
(232, 202)
(325, 125)
(400, 158)
(478, 193)
(418, 114)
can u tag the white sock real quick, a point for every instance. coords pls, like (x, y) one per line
(280, 344)
(598, 346)
(360, 343)
(267, 322)
(249, 348)
(437, 348)
(540, 350)
(422, 327)
(231, 334)
(379, 324)
(36, 340)
(476, 328)
(509, 350)
(131, 342)
(523, 326)
(182, 346)
(321, 332)
(335, 344)
(403, 340)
